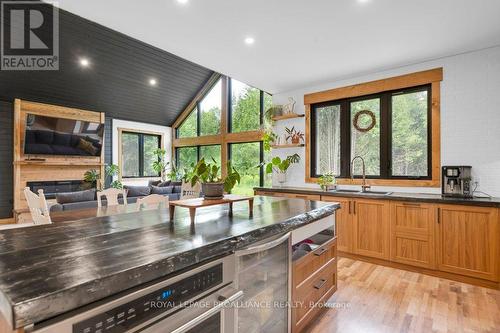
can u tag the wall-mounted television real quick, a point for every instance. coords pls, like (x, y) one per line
(57, 136)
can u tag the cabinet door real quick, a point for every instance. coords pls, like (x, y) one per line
(371, 228)
(412, 234)
(343, 223)
(467, 241)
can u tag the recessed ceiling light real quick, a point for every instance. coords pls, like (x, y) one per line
(249, 40)
(364, 1)
(153, 82)
(84, 62)
(182, 2)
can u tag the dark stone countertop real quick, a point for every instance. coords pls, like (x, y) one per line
(51, 269)
(400, 196)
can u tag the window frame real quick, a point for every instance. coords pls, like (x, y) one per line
(140, 152)
(385, 99)
(432, 77)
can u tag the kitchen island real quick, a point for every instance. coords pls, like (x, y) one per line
(49, 270)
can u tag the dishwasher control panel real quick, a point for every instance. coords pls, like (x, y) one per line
(124, 317)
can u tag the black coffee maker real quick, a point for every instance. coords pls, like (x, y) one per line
(456, 181)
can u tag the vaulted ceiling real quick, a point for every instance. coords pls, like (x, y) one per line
(117, 79)
(301, 42)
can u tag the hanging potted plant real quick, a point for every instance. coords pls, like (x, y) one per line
(213, 185)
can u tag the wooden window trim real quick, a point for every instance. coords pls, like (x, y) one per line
(432, 77)
(120, 150)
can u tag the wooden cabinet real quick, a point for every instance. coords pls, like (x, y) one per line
(343, 223)
(362, 226)
(371, 228)
(412, 234)
(467, 241)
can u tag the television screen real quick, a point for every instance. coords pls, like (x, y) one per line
(58, 136)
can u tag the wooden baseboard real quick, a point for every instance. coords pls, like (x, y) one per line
(439, 274)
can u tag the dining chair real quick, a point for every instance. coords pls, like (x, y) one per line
(111, 195)
(190, 192)
(38, 206)
(152, 201)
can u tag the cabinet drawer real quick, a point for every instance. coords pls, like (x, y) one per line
(313, 261)
(312, 290)
(304, 196)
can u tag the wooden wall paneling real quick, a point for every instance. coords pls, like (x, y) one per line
(49, 167)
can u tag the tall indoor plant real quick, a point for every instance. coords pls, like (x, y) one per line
(213, 185)
(160, 165)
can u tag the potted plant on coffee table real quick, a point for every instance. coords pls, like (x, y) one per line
(212, 184)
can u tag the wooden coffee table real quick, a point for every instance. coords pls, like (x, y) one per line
(195, 203)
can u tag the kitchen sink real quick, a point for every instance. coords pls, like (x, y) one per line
(376, 192)
(344, 191)
(361, 192)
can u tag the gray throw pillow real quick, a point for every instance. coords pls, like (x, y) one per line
(177, 189)
(161, 190)
(154, 182)
(80, 196)
(137, 191)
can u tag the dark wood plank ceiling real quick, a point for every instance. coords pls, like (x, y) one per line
(117, 80)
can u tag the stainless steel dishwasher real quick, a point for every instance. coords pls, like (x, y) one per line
(199, 300)
(264, 276)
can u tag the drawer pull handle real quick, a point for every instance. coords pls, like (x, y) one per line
(411, 204)
(320, 252)
(320, 284)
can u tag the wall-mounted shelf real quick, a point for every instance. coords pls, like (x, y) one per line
(288, 145)
(288, 116)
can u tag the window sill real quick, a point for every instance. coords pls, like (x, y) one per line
(385, 182)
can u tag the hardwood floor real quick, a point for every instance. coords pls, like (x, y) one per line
(373, 298)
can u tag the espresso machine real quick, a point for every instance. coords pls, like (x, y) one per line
(457, 181)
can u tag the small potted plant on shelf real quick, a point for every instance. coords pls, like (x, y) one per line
(280, 167)
(268, 139)
(213, 185)
(326, 181)
(294, 135)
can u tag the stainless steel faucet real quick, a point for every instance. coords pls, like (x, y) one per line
(364, 187)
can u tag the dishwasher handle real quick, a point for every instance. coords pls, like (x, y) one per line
(205, 315)
(263, 247)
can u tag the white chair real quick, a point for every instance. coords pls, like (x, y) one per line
(190, 192)
(111, 195)
(152, 201)
(38, 206)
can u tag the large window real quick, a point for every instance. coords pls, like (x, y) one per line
(208, 133)
(245, 158)
(138, 154)
(389, 130)
(210, 110)
(246, 107)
